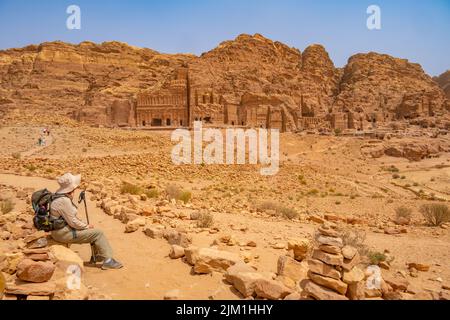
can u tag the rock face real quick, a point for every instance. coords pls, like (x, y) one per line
(250, 81)
(444, 82)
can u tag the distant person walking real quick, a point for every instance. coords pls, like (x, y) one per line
(77, 231)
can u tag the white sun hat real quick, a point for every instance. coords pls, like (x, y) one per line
(68, 183)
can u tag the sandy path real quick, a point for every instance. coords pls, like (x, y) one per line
(48, 142)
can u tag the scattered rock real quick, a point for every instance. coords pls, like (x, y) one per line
(397, 283)
(154, 232)
(176, 252)
(207, 260)
(172, 295)
(419, 266)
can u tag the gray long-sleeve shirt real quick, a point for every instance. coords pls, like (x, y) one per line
(64, 207)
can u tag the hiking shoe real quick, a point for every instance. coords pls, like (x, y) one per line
(97, 259)
(111, 264)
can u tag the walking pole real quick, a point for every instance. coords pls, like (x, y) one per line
(81, 198)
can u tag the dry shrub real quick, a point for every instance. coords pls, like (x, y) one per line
(6, 206)
(279, 209)
(129, 188)
(175, 192)
(205, 220)
(376, 257)
(355, 239)
(152, 193)
(16, 155)
(288, 213)
(403, 213)
(435, 214)
(267, 206)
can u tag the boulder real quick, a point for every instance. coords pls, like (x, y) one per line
(176, 252)
(38, 243)
(330, 249)
(11, 261)
(330, 241)
(154, 232)
(328, 258)
(349, 264)
(35, 236)
(271, 289)
(209, 260)
(355, 291)
(64, 257)
(172, 295)
(293, 296)
(19, 287)
(2, 285)
(300, 247)
(32, 271)
(328, 232)
(323, 269)
(419, 266)
(321, 293)
(349, 252)
(353, 276)
(235, 269)
(334, 284)
(245, 283)
(292, 269)
(397, 283)
(179, 238)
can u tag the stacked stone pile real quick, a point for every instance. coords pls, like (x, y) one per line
(333, 273)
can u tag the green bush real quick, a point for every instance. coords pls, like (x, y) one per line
(376, 257)
(435, 214)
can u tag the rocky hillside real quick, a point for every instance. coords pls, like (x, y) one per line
(444, 82)
(64, 77)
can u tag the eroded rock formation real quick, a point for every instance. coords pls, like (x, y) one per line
(249, 81)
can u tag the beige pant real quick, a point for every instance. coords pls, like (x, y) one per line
(92, 236)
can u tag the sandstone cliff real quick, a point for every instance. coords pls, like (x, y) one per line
(101, 79)
(444, 82)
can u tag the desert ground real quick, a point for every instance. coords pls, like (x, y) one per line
(151, 210)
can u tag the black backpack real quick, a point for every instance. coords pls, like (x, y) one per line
(41, 201)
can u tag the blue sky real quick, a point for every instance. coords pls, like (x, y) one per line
(417, 30)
